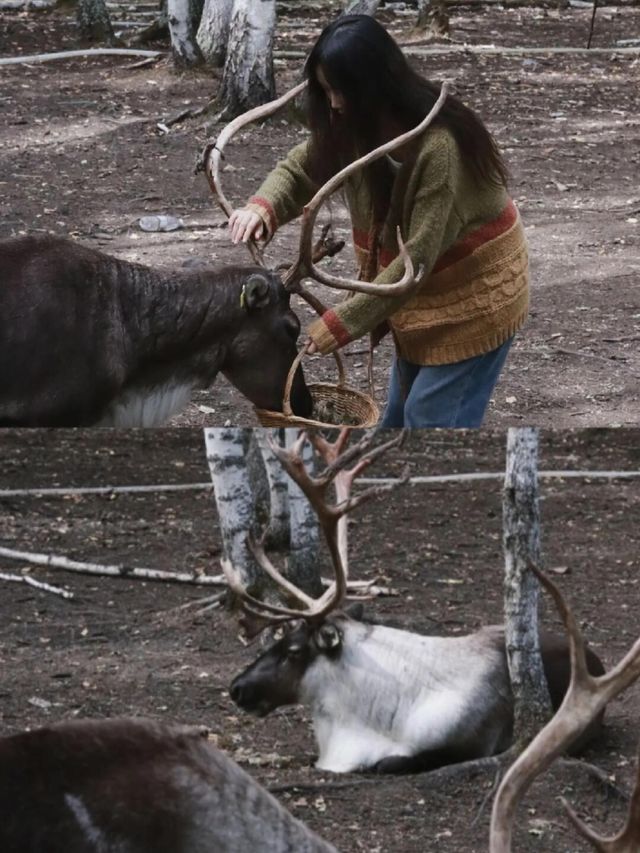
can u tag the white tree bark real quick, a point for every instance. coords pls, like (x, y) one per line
(292, 526)
(248, 79)
(521, 527)
(94, 21)
(226, 454)
(181, 14)
(213, 31)
(361, 7)
(304, 570)
(278, 496)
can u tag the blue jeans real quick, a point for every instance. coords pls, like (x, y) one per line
(444, 395)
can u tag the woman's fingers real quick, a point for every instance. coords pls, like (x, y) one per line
(245, 224)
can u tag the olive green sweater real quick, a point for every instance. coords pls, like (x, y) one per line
(464, 235)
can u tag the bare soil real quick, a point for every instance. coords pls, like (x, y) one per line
(126, 647)
(82, 153)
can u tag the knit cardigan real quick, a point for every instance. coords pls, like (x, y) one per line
(465, 236)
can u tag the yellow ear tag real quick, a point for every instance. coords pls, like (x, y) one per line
(243, 300)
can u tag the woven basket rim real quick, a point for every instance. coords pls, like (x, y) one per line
(343, 391)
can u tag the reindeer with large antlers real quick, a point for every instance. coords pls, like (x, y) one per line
(437, 203)
(585, 700)
(381, 699)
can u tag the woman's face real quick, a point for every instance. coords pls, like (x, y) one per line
(336, 99)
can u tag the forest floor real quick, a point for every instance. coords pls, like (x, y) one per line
(83, 153)
(124, 647)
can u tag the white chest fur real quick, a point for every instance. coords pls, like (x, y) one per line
(147, 407)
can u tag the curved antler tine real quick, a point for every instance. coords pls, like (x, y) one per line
(405, 285)
(265, 563)
(304, 266)
(261, 608)
(214, 152)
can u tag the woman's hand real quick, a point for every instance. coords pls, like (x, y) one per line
(244, 225)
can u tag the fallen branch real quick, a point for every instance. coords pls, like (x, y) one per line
(416, 481)
(581, 354)
(72, 54)
(120, 570)
(41, 585)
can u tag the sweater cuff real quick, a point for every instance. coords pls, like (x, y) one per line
(265, 211)
(328, 333)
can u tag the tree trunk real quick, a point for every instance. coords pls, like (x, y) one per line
(433, 16)
(226, 454)
(94, 21)
(361, 7)
(521, 520)
(248, 79)
(291, 524)
(213, 31)
(303, 568)
(181, 14)
(275, 487)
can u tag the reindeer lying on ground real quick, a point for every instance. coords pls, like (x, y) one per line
(384, 699)
(135, 786)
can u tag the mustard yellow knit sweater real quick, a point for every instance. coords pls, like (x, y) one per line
(465, 235)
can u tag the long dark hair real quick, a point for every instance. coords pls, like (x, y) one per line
(362, 62)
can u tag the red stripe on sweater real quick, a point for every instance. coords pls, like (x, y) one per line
(336, 327)
(264, 204)
(467, 246)
(459, 250)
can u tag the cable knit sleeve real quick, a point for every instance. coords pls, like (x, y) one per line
(432, 225)
(285, 191)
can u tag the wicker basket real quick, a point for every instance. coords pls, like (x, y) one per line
(348, 407)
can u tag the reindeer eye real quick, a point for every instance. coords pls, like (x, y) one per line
(295, 651)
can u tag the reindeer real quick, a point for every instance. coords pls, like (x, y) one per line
(136, 786)
(381, 699)
(88, 339)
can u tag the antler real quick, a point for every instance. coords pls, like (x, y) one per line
(332, 517)
(586, 697)
(304, 265)
(214, 153)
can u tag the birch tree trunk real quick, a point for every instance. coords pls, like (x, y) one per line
(213, 31)
(292, 525)
(361, 7)
(248, 78)
(277, 496)
(94, 21)
(226, 454)
(521, 540)
(181, 15)
(303, 530)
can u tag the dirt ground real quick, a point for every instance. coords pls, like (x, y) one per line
(126, 647)
(82, 153)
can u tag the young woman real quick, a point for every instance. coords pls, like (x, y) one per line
(447, 192)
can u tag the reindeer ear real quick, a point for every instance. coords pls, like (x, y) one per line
(328, 638)
(256, 291)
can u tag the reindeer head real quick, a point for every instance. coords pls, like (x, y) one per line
(312, 627)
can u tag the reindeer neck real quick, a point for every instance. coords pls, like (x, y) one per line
(173, 312)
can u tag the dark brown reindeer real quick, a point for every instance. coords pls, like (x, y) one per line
(89, 339)
(382, 699)
(136, 786)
